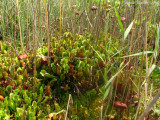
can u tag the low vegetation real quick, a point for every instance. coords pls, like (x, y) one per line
(74, 60)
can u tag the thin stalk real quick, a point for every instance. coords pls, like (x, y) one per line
(35, 43)
(48, 32)
(3, 20)
(60, 17)
(39, 14)
(27, 30)
(19, 23)
(148, 108)
(140, 75)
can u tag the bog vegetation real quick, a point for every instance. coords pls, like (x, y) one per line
(79, 60)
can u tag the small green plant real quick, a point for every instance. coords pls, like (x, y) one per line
(24, 104)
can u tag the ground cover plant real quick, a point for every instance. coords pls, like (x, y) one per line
(74, 60)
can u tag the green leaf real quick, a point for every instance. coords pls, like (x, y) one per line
(98, 54)
(149, 73)
(45, 50)
(53, 80)
(119, 20)
(34, 104)
(157, 42)
(57, 107)
(45, 74)
(41, 90)
(15, 97)
(108, 83)
(34, 95)
(107, 91)
(151, 69)
(20, 111)
(45, 100)
(8, 88)
(81, 64)
(138, 54)
(7, 117)
(49, 75)
(1, 75)
(128, 30)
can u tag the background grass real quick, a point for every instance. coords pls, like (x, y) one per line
(26, 25)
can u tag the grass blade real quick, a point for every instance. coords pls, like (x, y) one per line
(98, 54)
(157, 42)
(128, 30)
(108, 84)
(119, 20)
(138, 54)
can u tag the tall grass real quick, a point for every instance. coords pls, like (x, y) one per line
(28, 24)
